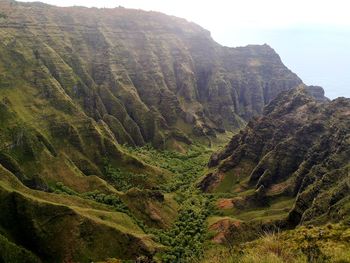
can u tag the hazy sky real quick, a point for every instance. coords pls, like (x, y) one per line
(311, 36)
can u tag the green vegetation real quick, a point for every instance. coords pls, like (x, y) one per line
(108, 199)
(278, 208)
(60, 188)
(123, 180)
(186, 238)
(184, 241)
(64, 237)
(117, 204)
(112, 200)
(329, 243)
(73, 93)
(185, 167)
(11, 253)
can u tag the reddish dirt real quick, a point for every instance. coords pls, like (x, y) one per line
(221, 227)
(225, 203)
(278, 188)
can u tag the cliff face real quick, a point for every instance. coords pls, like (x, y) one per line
(75, 85)
(148, 77)
(298, 148)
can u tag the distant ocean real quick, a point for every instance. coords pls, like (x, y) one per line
(319, 56)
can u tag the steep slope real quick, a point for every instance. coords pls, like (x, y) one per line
(80, 91)
(76, 83)
(146, 76)
(291, 164)
(61, 228)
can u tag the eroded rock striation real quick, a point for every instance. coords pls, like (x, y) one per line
(299, 147)
(148, 77)
(76, 84)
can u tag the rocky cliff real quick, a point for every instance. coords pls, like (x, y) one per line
(146, 76)
(77, 83)
(300, 149)
(78, 86)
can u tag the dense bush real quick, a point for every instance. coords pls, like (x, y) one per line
(108, 199)
(123, 180)
(184, 240)
(186, 237)
(186, 167)
(60, 188)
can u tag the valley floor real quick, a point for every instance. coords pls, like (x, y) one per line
(200, 231)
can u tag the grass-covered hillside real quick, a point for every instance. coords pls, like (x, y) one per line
(62, 223)
(108, 118)
(287, 170)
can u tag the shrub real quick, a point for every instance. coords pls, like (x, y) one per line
(123, 180)
(3, 15)
(60, 188)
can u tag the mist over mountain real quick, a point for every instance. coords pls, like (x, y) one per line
(320, 55)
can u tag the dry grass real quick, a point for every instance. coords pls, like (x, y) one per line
(296, 246)
(270, 248)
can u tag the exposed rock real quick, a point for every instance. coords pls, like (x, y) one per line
(301, 142)
(128, 66)
(210, 181)
(317, 92)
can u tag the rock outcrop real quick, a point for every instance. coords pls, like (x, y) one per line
(299, 147)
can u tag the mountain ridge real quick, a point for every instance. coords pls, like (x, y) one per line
(178, 74)
(298, 149)
(108, 118)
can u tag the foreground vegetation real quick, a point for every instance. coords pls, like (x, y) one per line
(329, 243)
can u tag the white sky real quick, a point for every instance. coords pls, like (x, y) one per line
(237, 13)
(312, 36)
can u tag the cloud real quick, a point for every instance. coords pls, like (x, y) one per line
(238, 13)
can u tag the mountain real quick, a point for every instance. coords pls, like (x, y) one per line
(148, 77)
(77, 83)
(291, 164)
(109, 116)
